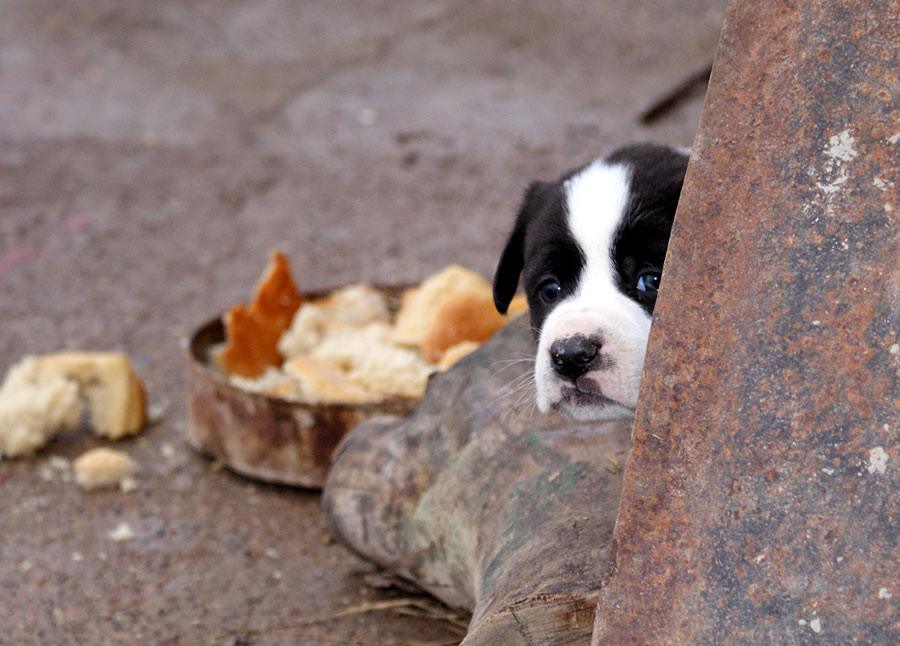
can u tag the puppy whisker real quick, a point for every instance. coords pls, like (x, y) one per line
(510, 364)
(518, 356)
(515, 386)
(515, 394)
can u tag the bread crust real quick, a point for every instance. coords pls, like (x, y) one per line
(252, 331)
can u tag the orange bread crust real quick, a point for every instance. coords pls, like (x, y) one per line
(252, 331)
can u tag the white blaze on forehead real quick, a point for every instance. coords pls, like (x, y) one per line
(596, 199)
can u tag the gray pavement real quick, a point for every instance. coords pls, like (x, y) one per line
(151, 153)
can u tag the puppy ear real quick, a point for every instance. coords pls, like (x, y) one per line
(506, 277)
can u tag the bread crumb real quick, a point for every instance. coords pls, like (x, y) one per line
(156, 411)
(59, 463)
(122, 532)
(56, 466)
(127, 485)
(457, 352)
(104, 468)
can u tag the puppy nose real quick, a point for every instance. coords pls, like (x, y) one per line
(573, 356)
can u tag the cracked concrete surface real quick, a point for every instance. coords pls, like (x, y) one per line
(152, 154)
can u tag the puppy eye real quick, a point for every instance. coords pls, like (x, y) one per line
(549, 291)
(648, 282)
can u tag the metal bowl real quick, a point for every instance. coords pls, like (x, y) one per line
(265, 437)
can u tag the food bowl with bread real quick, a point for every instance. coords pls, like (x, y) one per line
(274, 385)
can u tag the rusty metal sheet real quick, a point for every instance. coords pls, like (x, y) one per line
(761, 500)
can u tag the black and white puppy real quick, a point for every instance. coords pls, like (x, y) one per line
(590, 248)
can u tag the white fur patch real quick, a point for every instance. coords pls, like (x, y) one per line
(597, 198)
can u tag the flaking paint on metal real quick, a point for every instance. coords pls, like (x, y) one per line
(751, 509)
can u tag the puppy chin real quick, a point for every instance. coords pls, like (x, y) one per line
(595, 412)
(553, 396)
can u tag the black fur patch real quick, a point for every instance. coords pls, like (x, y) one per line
(640, 243)
(541, 247)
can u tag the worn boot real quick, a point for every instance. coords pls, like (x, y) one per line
(485, 503)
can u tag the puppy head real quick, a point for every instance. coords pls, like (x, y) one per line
(589, 248)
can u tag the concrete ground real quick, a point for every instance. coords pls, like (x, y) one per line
(151, 153)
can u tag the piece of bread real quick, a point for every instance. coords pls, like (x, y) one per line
(34, 406)
(369, 358)
(323, 382)
(44, 395)
(468, 315)
(272, 382)
(452, 306)
(307, 330)
(107, 384)
(252, 331)
(419, 305)
(391, 371)
(455, 353)
(103, 468)
(359, 304)
(346, 345)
